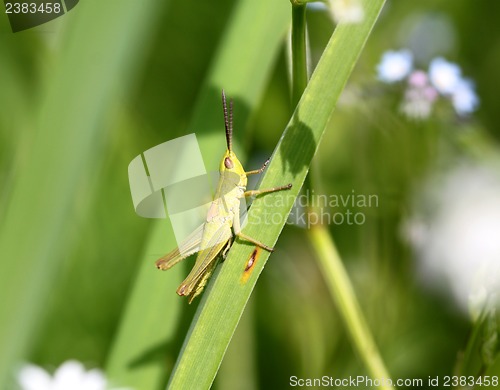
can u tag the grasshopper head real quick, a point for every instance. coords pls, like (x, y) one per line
(230, 163)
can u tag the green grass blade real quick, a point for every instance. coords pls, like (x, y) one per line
(226, 297)
(153, 310)
(327, 256)
(342, 292)
(103, 43)
(299, 64)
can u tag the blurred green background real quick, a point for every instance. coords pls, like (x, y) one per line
(70, 212)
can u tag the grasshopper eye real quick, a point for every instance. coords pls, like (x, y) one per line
(228, 163)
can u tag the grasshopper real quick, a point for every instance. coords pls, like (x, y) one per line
(214, 236)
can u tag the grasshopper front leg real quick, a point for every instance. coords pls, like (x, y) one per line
(236, 218)
(267, 190)
(260, 170)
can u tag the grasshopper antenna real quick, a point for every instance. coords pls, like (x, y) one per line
(228, 121)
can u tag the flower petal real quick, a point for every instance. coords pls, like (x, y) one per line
(464, 98)
(395, 66)
(418, 79)
(444, 75)
(69, 376)
(94, 380)
(31, 377)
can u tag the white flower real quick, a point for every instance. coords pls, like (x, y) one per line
(455, 233)
(32, 377)
(395, 66)
(347, 11)
(464, 98)
(444, 75)
(418, 102)
(71, 375)
(419, 96)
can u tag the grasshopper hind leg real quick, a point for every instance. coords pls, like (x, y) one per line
(226, 250)
(200, 285)
(202, 282)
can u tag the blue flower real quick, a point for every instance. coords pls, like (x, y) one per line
(444, 75)
(395, 66)
(464, 98)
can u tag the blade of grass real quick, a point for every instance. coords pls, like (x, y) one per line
(244, 79)
(227, 294)
(239, 368)
(328, 258)
(102, 44)
(340, 287)
(299, 64)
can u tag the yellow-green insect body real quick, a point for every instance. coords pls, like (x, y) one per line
(217, 228)
(223, 216)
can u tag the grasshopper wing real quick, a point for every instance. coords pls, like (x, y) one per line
(189, 246)
(206, 260)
